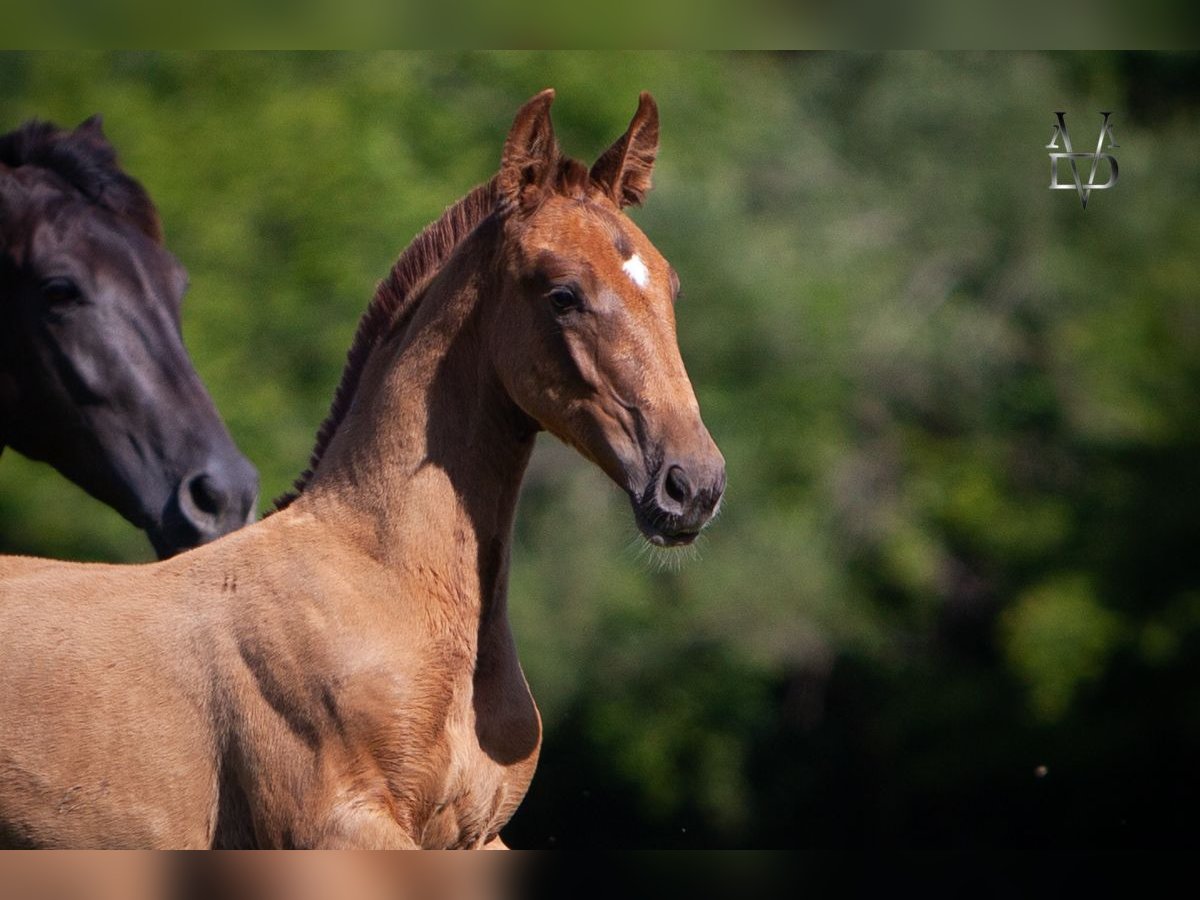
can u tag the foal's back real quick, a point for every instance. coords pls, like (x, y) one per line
(191, 672)
(83, 654)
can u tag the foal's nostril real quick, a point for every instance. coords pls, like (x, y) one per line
(205, 494)
(677, 485)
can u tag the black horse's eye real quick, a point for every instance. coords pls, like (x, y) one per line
(564, 299)
(60, 290)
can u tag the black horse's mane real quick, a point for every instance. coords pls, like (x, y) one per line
(88, 162)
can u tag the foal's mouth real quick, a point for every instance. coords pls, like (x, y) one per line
(662, 529)
(678, 539)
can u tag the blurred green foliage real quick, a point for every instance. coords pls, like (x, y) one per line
(959, 413)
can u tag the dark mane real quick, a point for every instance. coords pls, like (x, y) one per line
(391, 306)
(87, 161)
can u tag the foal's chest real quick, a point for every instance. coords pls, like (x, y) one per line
(482, 781)
(460, 749)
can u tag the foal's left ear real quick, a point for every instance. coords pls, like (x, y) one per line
(623, 170)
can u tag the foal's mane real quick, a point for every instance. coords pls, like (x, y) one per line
(391, 307)
(88, 162)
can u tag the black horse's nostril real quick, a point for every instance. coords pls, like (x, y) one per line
(205, 494)
(207, 503)
(218, 498)
(677, 485)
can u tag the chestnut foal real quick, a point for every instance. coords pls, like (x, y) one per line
(342, 674)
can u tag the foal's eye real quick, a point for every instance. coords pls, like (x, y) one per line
(564, 299)
(60, 290)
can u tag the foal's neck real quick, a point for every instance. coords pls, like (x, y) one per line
(425, 469)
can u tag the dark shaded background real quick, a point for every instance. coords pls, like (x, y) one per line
(954, 596)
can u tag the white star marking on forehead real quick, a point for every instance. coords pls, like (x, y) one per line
(637, 271)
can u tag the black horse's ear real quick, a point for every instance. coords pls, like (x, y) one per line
(530, 156)
(92, 126)
(623, 170)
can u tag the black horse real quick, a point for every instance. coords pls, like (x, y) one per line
(94, 377)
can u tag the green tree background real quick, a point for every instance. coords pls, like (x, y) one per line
(954, 595)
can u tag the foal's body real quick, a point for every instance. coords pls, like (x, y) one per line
(342, 674)
(272, 658)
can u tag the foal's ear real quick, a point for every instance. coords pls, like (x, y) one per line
(623, 170)
(530, 155)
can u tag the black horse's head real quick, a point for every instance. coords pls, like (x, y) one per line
(94, 377)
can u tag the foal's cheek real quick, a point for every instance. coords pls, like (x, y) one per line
(529, 352)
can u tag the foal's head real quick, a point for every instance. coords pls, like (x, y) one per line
(94, 377)
(585, 339)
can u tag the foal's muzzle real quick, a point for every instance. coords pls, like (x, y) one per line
(680, 499)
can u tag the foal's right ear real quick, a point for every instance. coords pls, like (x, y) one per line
(530, 156)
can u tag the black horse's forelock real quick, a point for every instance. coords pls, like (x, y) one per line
(87, 162)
